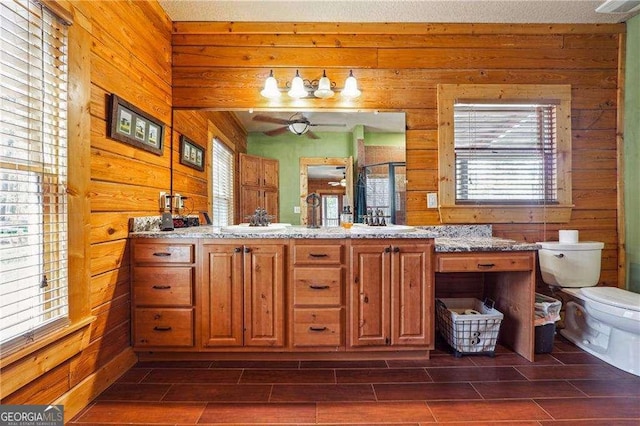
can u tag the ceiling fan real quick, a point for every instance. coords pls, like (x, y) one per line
(341, 182)
(297, 124)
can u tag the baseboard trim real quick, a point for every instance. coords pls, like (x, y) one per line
(77, 398)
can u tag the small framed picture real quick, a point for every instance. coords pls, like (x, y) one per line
(191, 154)
(133, 126)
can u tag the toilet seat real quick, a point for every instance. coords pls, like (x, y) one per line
(613, 296)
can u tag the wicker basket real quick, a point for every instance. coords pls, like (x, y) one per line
(468, 325)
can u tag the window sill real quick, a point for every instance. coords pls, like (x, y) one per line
(505, 214)
(27, 364)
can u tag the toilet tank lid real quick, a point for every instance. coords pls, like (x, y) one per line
(585, 245)
(613, 296)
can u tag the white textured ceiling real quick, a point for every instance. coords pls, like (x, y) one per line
(469, 11)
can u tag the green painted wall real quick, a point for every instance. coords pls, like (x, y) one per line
(632, 153)
(384, 139)
(287, 149)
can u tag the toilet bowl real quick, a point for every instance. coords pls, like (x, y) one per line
(603, 321)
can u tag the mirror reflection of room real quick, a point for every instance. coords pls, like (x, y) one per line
(375, 143)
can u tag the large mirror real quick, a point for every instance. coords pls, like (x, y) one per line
(346, 158)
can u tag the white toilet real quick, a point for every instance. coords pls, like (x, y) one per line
(604, 321)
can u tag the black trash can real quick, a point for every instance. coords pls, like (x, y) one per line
(547, 313)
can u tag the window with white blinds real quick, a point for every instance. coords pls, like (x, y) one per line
(33, 172)
(222, 184)
(505, 153)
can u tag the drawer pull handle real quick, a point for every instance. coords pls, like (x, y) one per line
(319, 287)
(158, 328)
(486, 265)
(318, 254)
(312, 328)
(162, 254)
(162, 287)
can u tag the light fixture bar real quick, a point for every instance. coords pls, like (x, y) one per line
(299, 88)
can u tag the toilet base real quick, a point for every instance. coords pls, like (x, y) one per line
(617, 347)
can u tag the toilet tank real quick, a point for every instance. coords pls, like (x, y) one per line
(570, 265)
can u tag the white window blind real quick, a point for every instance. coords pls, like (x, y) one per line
(505, 154)
(33, 173)
(222, 184)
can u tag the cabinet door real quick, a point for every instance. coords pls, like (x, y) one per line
(264, 295)
(369, 287)
(250, 170)
(270, 173)
(250, 199)
(411, 294)
(271, 204)
(222, 295)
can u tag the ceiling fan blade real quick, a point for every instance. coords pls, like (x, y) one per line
(312, 135)
(267, 119)
(328, 124)
(276, 132)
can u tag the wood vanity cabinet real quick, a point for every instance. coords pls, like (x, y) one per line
(316, 295)
(259, 185)
(391, 294)
(163, 304)
(242, 294)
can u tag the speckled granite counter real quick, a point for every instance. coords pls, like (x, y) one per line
(457, 238)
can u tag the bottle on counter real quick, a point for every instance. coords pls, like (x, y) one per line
(346, 218)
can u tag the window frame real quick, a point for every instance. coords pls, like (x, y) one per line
(61, 345)
(450, 212)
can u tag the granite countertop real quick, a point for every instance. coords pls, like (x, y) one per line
(457, 238)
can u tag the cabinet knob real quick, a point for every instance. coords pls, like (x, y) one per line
(387, 249)
(247, 250)
(237, 249)
(396, 249)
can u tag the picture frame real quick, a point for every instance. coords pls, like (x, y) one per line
(191, 154)
(131, 125)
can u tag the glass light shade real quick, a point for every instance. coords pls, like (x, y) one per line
(297, 87)
(270, 90)
(324, 87)
(350, 90)
(299, 128)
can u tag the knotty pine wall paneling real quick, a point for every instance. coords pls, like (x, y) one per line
(222, 66)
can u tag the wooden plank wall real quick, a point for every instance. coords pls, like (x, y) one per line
(223, 66)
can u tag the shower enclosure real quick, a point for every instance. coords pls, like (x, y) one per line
(385, 188)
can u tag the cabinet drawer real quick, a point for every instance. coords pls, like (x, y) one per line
(317, 286)
(318, 254)
(163, 327)
(484, 263)
(163, 253)
(317, 327)
(163, 286)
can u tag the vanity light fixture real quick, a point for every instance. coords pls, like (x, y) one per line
(302, 88)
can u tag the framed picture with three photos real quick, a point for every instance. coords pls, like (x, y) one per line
(131, 125)
(191, 154)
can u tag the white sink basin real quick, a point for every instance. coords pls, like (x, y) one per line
(359, 228)
(244, 228)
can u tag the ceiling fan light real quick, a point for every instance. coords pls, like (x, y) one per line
(297, 87)
(324, 87)
(299, 128)
(270, 90)
(350, 90)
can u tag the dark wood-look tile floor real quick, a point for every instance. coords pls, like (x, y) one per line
(566, 387)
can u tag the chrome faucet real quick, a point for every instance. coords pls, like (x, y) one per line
(260, 218)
